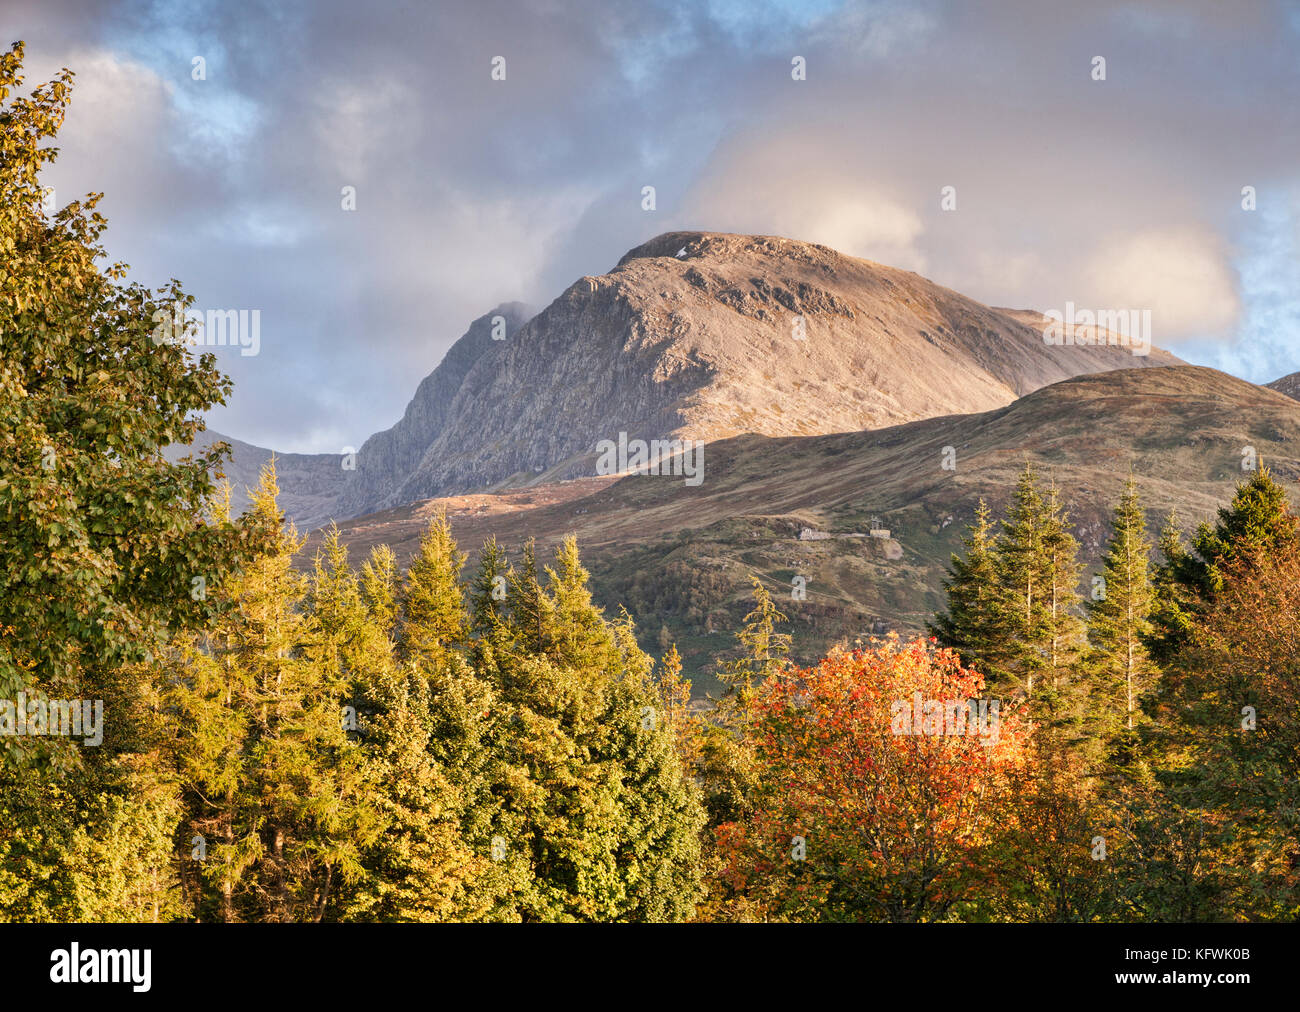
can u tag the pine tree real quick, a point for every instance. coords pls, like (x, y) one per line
(974, 624)
(1024, 570)
(1171, 600)
(727, 759)
(580, 635)
(1258, 518)
(1065, 629)
(379, 589)
(489, 615)
(1119, 620)
(529, 607)
(764, 649)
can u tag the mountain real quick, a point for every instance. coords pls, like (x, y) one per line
(681, 556)
(693, 335)
(387, 459)
(318, 487)
(310, 483)
(1289, 385)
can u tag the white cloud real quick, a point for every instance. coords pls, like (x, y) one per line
(1183, 275)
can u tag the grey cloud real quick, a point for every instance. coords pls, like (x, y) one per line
(472, 192)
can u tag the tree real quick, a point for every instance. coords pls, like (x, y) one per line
(528, 605)
(974, 624)
(594, 817)
(489, 615)
(272, 784)
(105, 549)
(1024, 569)
(1119, 621)
(1237, 731)
(1065, 630)
(379, 583)
(433, 604)
(869, 807)
(1259, 518)
(727, 764)
(102, 545)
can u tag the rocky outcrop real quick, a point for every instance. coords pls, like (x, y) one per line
(387, 459)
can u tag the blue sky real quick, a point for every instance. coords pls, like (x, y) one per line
(1111, 194)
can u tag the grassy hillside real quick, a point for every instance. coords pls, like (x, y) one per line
(680, 557)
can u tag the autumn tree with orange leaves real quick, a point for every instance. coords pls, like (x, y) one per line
(880, 789)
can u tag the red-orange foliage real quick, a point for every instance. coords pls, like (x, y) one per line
(893, 822)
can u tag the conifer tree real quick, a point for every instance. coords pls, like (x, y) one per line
(1064, 627)
(433, 603)
(1119, 620)
(1259, 518)
(379, 589)
(1171, 617)
(1025, 571)
(489, 616)
(727, 758)
(581, 636)
(529, 607)
(583, 802)
(273, 786)
(974, 623)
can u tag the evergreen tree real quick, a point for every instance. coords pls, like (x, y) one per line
(583, 802)
(528, 605)
(728, 769)
(1119, 620)
(1025, 571)
(379, 589)
(1258, 519)
(1171, 617)
(1064, 627)
(489, 615)
(974, 624)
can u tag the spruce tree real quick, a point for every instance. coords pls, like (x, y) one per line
(1259, 518)
(273, 785)
(1119, 620)
(529, 607)
(1065, 629)
(489, 616)
(379, 589)
(1024, 570)
(974, 623)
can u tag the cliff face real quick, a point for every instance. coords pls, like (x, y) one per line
(704, 336)
(387, 459)
(316, 488)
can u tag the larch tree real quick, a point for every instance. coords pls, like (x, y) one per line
(433, 602)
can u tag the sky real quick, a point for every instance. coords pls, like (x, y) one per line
(223, 134)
